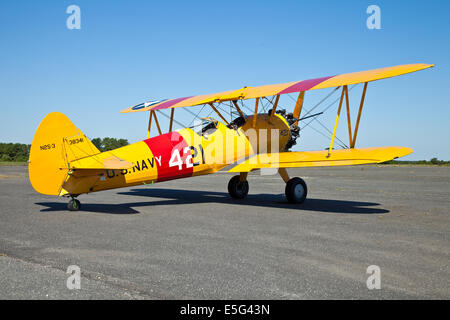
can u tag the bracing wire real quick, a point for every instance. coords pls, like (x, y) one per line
(243, 105)
(177, 122)
(196, 115)
(321, 101)
(328, 107)
(342, 144)
(268, 102)
(220, 108)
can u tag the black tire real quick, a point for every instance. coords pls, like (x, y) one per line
(296, 190)
(237, 189)
(74, 205)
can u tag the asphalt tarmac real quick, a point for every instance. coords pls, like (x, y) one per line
(187, 239)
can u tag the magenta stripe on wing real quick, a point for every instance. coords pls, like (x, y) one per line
(170, 103)
(304, 85)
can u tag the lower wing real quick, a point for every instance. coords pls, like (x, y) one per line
(344, 157)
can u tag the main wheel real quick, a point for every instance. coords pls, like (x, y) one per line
(74, 205)
(296, 190)
(237, 189)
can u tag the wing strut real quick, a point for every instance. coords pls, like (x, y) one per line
(153, 115)
(149, 124)
(238, 109)
(348, 116)
(218, 113)
(275, 105)
(352, 145)
(157, 122)
(256, 112)
(298, 106)
(336, 122)
(172, 111)
(352, 139)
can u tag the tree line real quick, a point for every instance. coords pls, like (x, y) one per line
(107, 144)
(433, 161)
(19, 152)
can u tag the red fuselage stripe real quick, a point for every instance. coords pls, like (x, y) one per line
(163, 148)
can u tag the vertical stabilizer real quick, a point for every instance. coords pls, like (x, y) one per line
(56, 142)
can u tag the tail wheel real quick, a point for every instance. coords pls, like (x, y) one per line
(238, 189)
(74, 205)
(296, 190)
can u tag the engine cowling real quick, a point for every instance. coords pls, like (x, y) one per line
(264, 132)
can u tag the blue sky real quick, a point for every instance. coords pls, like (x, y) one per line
(129, 52)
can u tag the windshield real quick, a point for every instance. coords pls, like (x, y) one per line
(208, 125)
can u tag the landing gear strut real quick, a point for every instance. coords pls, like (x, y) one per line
(238, 187)
(74, 205)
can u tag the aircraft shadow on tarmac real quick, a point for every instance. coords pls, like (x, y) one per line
(179, 196)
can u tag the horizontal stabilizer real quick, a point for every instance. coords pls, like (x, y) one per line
(344, 157)
(100, 162)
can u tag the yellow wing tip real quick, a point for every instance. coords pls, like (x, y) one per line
(403, 151)
(426, 65)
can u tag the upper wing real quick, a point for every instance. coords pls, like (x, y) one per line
(275, 89)
(344, 157)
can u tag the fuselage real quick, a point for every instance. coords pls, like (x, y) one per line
(183, 153)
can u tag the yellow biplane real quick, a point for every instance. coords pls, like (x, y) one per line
(64, 162)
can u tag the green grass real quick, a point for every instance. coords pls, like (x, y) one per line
(13, 163)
